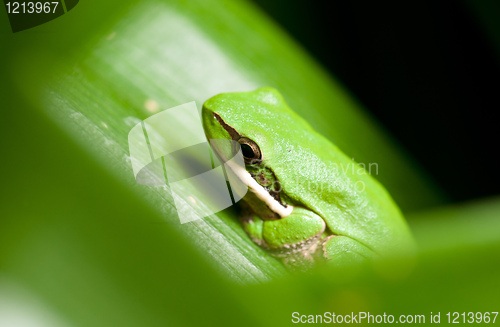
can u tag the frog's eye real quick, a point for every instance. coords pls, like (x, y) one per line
(250, 150)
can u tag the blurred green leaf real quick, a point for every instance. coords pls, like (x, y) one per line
(459, 227)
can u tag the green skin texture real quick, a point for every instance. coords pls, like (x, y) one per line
(334, 219)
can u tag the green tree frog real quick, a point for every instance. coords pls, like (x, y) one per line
(307, 201)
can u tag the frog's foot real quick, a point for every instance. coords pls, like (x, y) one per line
(342, 250)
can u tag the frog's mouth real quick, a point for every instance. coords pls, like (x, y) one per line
(260, 192)
(267, 196)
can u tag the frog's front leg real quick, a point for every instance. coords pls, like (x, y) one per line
(294, 238)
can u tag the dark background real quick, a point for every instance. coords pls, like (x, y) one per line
(425, 69)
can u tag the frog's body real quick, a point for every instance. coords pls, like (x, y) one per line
(311, 201)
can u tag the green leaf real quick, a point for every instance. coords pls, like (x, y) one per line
(157, 55)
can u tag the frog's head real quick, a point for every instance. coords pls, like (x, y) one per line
(265, 127)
